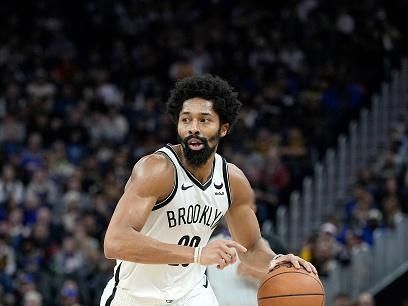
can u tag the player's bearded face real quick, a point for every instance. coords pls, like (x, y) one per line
(197, 150)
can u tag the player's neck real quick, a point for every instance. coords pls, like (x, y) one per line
(202, 172)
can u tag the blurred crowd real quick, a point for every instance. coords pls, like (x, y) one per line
(82, 91)
(344, 299)
(377, 200)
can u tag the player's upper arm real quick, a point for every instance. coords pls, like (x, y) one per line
(241, 219)
(151, 181)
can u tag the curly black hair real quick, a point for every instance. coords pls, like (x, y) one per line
(208, 87)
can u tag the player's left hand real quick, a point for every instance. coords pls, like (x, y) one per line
(296, 261)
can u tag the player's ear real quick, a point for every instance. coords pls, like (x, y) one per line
(224, 129)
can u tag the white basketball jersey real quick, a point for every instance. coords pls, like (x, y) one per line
(187, 217)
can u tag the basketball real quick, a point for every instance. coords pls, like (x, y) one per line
(287, 286)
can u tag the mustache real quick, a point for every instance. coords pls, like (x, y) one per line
(202, 139)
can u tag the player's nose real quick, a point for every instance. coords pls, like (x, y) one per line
(193, 127)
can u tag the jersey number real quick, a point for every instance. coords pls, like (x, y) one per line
(186, 240)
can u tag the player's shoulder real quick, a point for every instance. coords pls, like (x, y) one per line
(239, 183)
(235, 173)
(154, 164)
(153, 174)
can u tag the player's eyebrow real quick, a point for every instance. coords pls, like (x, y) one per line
(203, 113)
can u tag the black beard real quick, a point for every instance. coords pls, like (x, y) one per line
(196, 158)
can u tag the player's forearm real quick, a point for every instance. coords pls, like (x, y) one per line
(136, 247)
(259, 256)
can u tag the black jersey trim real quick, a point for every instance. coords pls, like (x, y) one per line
(226, 180)
(175, 185)
(206, 280)
(110, 299)
(192, 177)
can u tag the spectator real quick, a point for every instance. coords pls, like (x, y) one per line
(12, 134)
(32, 158)
(69, 294)
(41, 91)
(342, 299)
(69, 260)
(11, 188)
(365, 299)
(392, 211)
(33, 298)
(42, 187)
(7, 264)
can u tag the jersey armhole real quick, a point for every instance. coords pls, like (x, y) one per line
(167, 200)
(226, 180)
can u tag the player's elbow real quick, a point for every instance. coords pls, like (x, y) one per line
(111, 247)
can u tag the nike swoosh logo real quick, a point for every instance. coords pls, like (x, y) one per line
(218, 186)
(185, 187)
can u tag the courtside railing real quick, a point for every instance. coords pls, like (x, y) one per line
(372, 269)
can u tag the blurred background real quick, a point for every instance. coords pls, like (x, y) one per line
(322, 136)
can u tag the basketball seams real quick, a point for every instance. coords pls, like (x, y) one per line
(290, 288)
(304, 272)
(324, 298)
(290, 295)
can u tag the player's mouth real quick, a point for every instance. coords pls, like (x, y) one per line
(195, 144)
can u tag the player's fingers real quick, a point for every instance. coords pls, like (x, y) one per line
(223, 257)
(295, 261)
(272, 265)
(226, 257)
(230, 251)
(234, 255)
(306, 265)
(236, 245)
(275, 262)
(221, 263)
(313, 268)
(310, 266)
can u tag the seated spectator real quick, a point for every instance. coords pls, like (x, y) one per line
(11, 187)
(32, 298)
(70, 259)
(392, 211)
(69, 294)
(7, 264)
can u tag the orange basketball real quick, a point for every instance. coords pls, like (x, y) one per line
(287, 286)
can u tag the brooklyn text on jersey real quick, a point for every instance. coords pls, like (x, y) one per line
(206, 215)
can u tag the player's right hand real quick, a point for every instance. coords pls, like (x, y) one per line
(221, 253)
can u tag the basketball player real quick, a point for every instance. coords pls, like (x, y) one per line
(172, 202)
